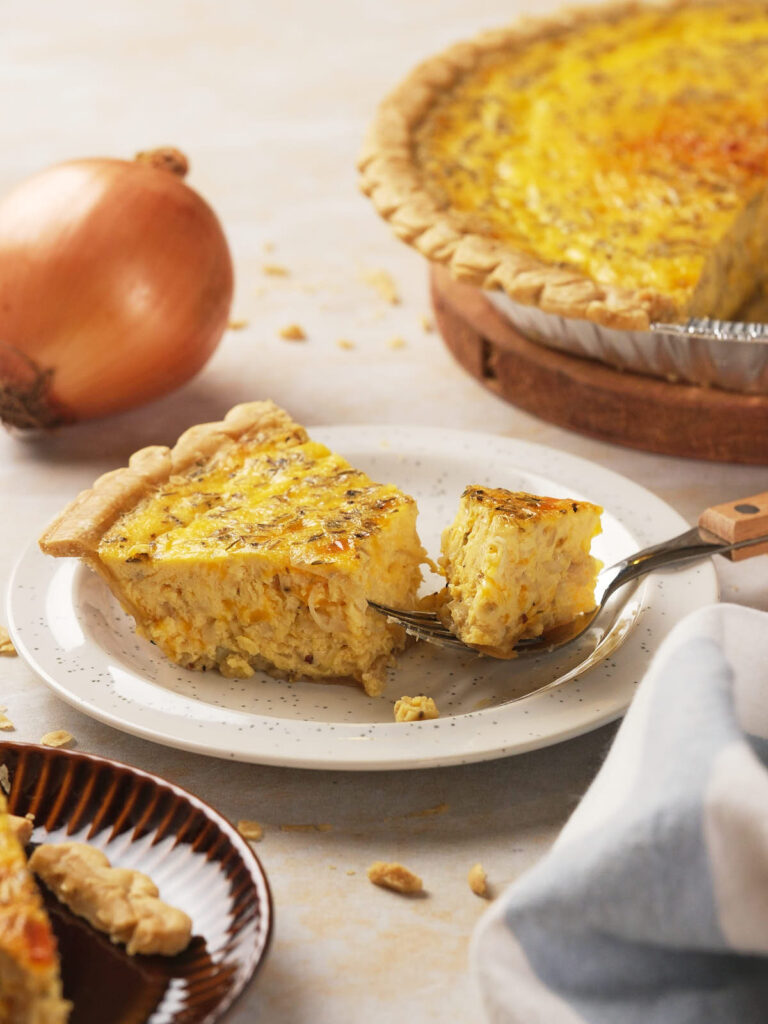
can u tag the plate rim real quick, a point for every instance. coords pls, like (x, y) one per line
(528, 456)
(248, 856)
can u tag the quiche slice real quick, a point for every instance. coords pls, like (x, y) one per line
(250, 547)
(609, 163)
(517, 565)
(30, 984)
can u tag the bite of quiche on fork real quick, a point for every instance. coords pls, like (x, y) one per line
(517, 565)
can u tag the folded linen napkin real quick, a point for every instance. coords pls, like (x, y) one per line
(652, 905)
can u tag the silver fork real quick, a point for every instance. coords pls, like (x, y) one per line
(722, 529)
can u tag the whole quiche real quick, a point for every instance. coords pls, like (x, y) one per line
(608, 163)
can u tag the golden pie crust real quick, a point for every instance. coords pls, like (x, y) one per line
(79, 528)
(392, 177)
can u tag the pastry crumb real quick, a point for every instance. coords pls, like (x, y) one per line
(119, 901)
(427, 323)
(415, 709)
(22, 827)
(322, 827)
(394, 876)
(276, 270)
(6, 644)
(250, 830)
(351, 871)
(57, 738)
(478, 881)
(384, 284)
(293, 332)
(397, 343)
(345, 343)
(237, 325)
(5, 723)
(427, 811)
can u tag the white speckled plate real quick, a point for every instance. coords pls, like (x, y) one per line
(70, 630)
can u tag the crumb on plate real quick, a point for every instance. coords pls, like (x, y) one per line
(119, 901)
(415, 709)
(394, 876)
(22, 827)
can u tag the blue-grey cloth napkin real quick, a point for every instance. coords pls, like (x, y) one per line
(652, 905)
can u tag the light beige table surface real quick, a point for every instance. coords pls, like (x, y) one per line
(270, 102)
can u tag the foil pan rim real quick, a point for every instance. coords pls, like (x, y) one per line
(730, 355)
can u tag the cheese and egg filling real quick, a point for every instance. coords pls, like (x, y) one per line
(265, 558)
(630, 145)
(517, 565)
(30, 981)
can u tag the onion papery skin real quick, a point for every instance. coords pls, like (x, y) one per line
(115, 288)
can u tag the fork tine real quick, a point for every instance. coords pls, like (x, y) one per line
(439, 639)
(408, 615)
(423, 625)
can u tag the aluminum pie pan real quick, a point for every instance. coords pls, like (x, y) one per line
(727, 354)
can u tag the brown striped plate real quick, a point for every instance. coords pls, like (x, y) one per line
(196, 858)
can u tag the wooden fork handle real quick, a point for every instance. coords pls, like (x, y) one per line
(739, 520)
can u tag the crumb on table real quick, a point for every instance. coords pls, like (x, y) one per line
(237, 325)
(415, 709)
(293, 332)
(384, 284)
(478, 881)
(397, 343)
(57, 738)
(275, 270)
(394, 876)
(426, 811)
(250, 830)
(345, 343)
(6, 644)
(319, 827)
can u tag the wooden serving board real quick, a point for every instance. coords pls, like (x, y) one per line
(591, 397)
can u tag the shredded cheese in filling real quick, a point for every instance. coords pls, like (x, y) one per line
(517, 565)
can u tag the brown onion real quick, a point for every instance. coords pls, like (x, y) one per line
(115, 288)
